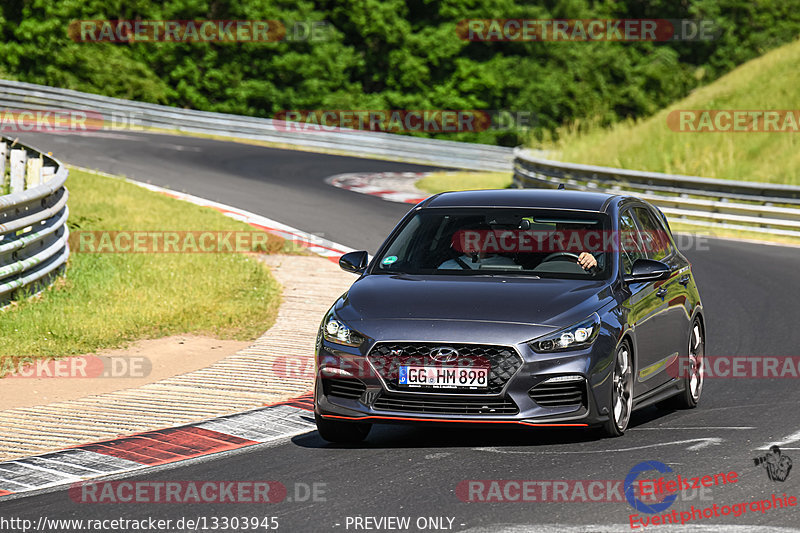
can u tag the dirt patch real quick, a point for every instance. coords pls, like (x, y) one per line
(141, 363)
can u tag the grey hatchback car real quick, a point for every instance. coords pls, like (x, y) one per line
(543, 308)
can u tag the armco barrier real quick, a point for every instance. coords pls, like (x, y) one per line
(17, 95)
(33, 218)
(759, 207)
(740, 205)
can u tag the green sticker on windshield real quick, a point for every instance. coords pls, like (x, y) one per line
(389, 260)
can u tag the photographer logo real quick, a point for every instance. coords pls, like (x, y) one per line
(775, 463)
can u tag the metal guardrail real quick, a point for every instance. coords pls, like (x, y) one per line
(33, 218)
(759, 207)
(29, 96)
(739, 205)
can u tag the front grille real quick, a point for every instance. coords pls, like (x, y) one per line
(343, 387)
(446, 405)
(564, 394)
(502, 361)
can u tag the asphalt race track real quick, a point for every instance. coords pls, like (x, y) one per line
(750, 294)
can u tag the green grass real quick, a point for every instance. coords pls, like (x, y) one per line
(770, 82)
(110, 299)
(437, 182)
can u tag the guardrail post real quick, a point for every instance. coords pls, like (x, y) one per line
(47, 173)
(3, 158)
(33, 173)
(18, 158)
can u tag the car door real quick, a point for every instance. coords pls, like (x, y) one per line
(643, 306)
(675, 301)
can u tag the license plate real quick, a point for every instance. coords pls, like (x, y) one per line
(444, 377)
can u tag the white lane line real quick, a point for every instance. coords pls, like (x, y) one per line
(181, 147)
(438, 455)
(706, 427)
(791, 439)
(712, 441)
(698, 444)
(108, 135)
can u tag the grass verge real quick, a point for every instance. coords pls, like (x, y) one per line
(770, 82)
(437, 182)
(106, 300)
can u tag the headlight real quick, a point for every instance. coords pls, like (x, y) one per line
(579, 335)
(337, 331)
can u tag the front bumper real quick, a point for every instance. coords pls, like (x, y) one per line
(348, 387)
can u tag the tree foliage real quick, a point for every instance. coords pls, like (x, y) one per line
(392, 54)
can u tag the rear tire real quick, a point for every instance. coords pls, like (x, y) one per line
(693, 372)
(341, 432)
(620, 402)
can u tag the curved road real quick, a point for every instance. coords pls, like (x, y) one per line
(749, 292)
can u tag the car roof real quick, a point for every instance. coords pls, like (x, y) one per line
(536, 198)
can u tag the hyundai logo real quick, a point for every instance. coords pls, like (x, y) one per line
(444, 355)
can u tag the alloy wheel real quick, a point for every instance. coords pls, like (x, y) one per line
(623, 388)
(696, 355)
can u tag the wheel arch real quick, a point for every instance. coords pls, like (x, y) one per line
(628, 336)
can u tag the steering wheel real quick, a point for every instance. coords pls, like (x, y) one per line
(557, 255)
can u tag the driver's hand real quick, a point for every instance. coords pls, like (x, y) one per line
(587, 260)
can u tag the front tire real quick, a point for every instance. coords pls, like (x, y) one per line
(341, 432)
(620, 403)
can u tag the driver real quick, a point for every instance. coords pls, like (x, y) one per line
(586, 260)
(476, 259)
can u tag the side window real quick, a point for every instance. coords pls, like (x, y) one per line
(630, 242)
(655, 239)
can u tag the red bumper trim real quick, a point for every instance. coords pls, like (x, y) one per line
(414, 419)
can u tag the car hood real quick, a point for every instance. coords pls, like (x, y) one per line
(475, 307)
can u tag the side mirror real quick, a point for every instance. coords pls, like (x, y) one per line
(647, 270)
(355, 262)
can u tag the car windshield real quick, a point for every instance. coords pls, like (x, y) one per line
(497, 241)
